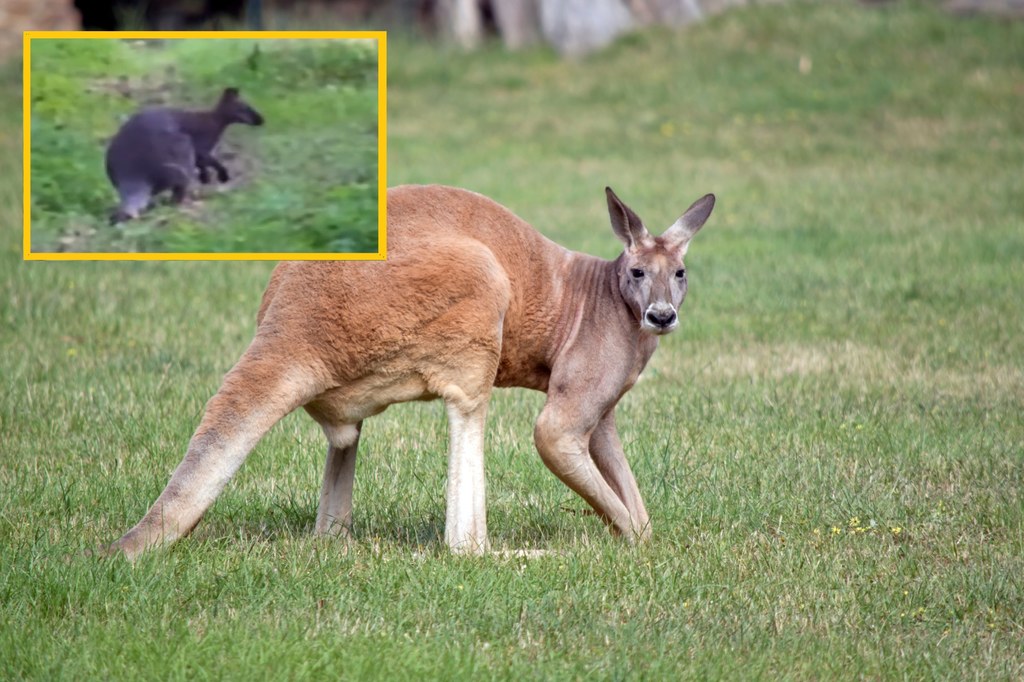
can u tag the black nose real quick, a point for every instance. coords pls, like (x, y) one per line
(661, 319)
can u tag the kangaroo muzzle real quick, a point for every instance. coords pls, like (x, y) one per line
(660, 318)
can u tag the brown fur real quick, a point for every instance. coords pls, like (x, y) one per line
(469, 298)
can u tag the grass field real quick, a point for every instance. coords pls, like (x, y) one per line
(831, 447)
(306, 181)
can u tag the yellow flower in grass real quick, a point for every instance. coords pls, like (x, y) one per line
(836, 530)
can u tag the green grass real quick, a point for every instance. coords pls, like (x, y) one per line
(849, 364)
(304, 182)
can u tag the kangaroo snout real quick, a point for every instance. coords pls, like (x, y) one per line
(660, 318)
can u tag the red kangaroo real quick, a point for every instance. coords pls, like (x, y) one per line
(469, 298)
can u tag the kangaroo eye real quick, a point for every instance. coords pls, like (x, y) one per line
(680, 273)
(637, 273)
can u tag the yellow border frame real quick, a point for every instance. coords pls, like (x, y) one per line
(379, 36)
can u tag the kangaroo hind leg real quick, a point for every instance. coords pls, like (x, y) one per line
(334, 516)
(177, 170)
(255, 395)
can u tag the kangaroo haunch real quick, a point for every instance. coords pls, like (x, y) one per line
(161, 148)
(469, 298)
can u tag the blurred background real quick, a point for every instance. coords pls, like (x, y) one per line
(572, 27)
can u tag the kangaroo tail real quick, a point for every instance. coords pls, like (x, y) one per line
(257, 393)
(135, 196)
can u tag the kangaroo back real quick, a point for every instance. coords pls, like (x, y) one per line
(150, 148)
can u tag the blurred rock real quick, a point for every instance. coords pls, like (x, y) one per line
(1013, 9)
(33, 15)
(575, 27)
(517, 21)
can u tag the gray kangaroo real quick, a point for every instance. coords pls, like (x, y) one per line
(158, 148)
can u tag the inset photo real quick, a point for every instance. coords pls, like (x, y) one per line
(205, 146)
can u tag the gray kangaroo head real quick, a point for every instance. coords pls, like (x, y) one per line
(652, 277)
(233, 109)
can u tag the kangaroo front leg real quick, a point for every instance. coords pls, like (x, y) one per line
(334, 517)
(606, 451)
(207, 161)
(203, 166)
(465, 528)
(222, 172)
(562, 440)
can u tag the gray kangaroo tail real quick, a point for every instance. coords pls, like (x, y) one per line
(135, 197)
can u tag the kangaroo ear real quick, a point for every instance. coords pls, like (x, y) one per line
(230, 93)
(689, 223)
(627, 225)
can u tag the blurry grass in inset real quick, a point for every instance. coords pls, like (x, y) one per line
(304, 182)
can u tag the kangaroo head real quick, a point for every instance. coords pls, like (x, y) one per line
(652, 276)
(233, 109)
